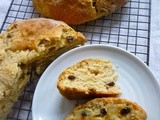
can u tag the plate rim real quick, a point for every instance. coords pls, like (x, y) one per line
(86, 46)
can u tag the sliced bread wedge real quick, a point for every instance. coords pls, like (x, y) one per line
(89, 78)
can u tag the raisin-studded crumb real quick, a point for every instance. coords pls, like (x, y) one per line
(103, 112)
(111, 84)
(70, 39)
(71, 77)
(9, 35)
(126, 110)
(83, 114)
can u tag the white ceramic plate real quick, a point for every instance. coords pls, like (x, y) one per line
(135, 79)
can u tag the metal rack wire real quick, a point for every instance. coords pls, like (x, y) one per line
(128, 28)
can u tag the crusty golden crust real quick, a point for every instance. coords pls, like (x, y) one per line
(108, 109)
(77, 11)
(91, 79)
(30, 43)
(29, 34)
(73, 94)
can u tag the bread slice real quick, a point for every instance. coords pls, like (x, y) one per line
(30, 44)
(108, 109)
(88, 78)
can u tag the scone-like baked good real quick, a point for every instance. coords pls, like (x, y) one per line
(77, 11)
(30, 43)
(108, 109)
(88, 78)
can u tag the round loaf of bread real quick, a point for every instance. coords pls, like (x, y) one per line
(77, 11)
(26, 44)
(108, 109)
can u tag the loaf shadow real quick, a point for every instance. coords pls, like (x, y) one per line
(66, 106)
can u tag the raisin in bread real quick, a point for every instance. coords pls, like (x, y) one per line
(77, 11)
(30, 43)
(89, 78)
(108, 109)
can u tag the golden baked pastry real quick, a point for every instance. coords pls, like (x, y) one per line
(77, 11)
(30, 43)
(88, 78)
(108, 109)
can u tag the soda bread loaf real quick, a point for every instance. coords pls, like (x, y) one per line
(108, 109)
(30, 43)
(88, 78)
(77, 11)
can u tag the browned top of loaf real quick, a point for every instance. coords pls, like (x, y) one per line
(77, 11)
(29, 34)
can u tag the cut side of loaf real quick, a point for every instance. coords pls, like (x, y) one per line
(108, 109)
(88, 78)
(27, 44)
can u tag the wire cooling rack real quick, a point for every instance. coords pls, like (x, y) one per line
(128, 28)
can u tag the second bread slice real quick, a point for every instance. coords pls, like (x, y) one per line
(88, 79)
(108, 109)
